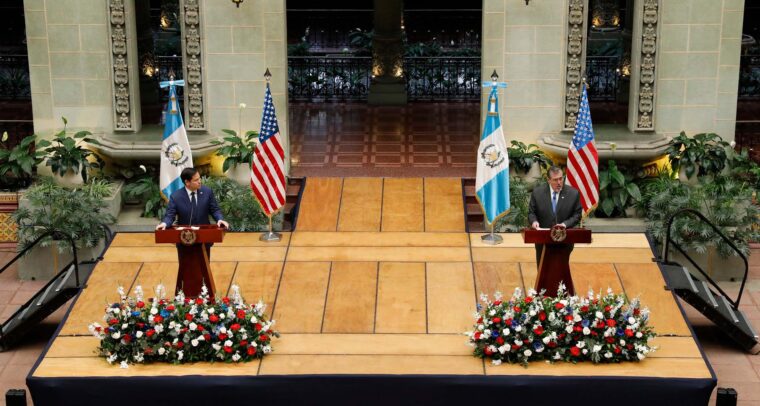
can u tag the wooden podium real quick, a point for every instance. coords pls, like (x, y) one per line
(194, 267)
(554, 266)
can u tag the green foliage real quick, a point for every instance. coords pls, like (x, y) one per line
(617, 190)
(68, 212)
(64, 154)
(519, 199)
(361, 41)
(743, 168)
(724, 201)
(146, 188)
(703, 154)
(523, 156)
(17, 164)
(238, 205)
(236, 150)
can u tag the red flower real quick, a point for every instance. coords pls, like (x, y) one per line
(628, 332)
(569, 317)
(584, 308)
(480, 320)
(528, 299)
(213, 318)
(148, 351)
(251, 351)
(235, 327)
(515, 347)
(189, 317)
(488, 350)
(199, 301)
(617, 350)
(263, 337)
(170, 308)
(561, 336)
(140, 304)
(226, 300)
(611, 323)
(551, 344)
(607, 308)
(227, 349)
(477, 335)
(243, 343)
(559, 306)
(180, 344)
(158, 319)
(575, 351)
(200, 328)
(140, 325)
(98, 328)
(256, 327)
(183, 331)
(112, 321)
(222, 336)
(496, 320)
(127, 338)
(526, 341)
(599, 324)
(516, 309)
(610, 339)
(577, 328)
(241, 314)
(629, 346)
(500, 340)
(508, 322)
(539, 330)
(542, 316)
(496, 303)
(636, 311)
(594, 333)
(167, 344)
(150, 333)
(187, 300)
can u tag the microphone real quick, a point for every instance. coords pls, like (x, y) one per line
(192, 209)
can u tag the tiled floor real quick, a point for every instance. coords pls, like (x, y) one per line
(356, 139)
(733, 367)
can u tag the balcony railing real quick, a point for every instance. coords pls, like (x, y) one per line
(603, 77)
(14, 77)
(442, 78)
(328, 77)
(749, 77)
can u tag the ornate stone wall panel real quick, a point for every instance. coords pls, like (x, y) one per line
(644, 99)
(192, 56)
(574, 67)
(123, 115)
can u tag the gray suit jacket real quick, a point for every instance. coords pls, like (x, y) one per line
(568, 207)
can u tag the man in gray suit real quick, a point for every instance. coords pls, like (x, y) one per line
(554, 203)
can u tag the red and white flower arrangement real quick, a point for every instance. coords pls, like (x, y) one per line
(597, 328)
(183, 329)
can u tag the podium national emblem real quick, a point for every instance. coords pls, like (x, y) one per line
(187, 237)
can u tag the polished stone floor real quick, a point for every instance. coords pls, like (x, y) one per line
(356, 139)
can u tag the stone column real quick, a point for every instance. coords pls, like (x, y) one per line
(387, 85)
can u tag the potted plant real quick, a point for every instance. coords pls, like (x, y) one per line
(69, 161)
(235, 202)
(519, 199)
(146, 189)
(617, 191)
(527, 161)
(701, 155)
(17, 164)
(237, 152)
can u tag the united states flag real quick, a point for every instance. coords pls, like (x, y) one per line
(583, 160)
(267, 165)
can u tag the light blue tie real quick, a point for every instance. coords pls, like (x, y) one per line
(554, 202)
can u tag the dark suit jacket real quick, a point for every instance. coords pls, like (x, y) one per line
(179, 206)
(568, 207)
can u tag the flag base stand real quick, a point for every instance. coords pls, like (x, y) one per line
(270, 236)
(492, 239)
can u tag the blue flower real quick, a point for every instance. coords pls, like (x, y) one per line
(537, 345)
(515, 323)
(479, 307)
(494, 334)
(115, 306)
(569, 310)
(619, 332)
(135, 313)
(165, 313)
(585, 323)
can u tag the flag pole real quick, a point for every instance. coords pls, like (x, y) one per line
(491, 238)
(270, 236)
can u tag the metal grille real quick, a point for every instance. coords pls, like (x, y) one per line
(442, 78)
(14, 77)
(328, 77)
(602, 76)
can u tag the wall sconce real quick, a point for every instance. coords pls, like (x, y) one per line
(237, 2)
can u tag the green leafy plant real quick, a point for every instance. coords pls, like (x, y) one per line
(617, 190)
(17, 164)
(361, 41)
(65, 155)
(703, 154)
(98, 188)
(238, 204)
(724, 201)
(523, 156)
(235, 149)
(146, 189)
(66, 212)
(519, 199)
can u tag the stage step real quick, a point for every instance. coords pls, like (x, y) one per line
(713, 305)
(473, 212)
(293, 192)
(57, 292)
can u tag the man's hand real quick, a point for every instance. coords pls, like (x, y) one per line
(535, 225)
(223, 224)
(161, 226)
(562, 225)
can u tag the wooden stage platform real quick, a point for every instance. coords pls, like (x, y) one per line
(379, 279)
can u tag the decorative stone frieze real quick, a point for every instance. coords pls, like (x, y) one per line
(122, 111)
(645, 96)
(193, 64)
(573, 75)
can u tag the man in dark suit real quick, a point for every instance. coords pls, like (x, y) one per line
(554, 203)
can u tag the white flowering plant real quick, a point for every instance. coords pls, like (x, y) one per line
(183, 329)
(596, 328)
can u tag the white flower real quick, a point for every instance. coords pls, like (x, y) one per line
(194, 342)
(116, 335)
(622, 342)
(505, 332)
(640, 356)
(528, 353)
(242, 105)
(639, 335)
(599, 315)
(518, 328)
(138, 334)
(631, 320)
(267, 349)
(732, 144)
(228, 343)
(111, 358)
(223, 330)
(492, 348)
(221, 315)
(123, 365)
(481, 327)
(585, 351)
(180, 355)
(569, 329)
(492, 312)
(193, 326)
(161, 351)
(254, 319)
(532, 312)
(159, 328)
(201, 338)
(236, 357)
(216, 347)
(586, 331)
(596, 348)
(607, 354)
(211, 310)
(504, 348)
(496, 362)
(546, 339)
(153, 311)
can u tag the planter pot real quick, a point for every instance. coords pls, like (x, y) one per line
(719, 269)
(42, 263)
(8, 205)
(69, 180)
(530, 177)
(240, 174)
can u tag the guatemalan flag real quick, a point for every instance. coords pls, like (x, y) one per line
(175, 149)
(492, 180)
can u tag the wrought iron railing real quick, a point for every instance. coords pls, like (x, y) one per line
(14, 77)
(328, 77)
(442, 78)
(749, 77)
(603, 77)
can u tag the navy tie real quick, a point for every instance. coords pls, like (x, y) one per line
(194, 204)
(554, 202)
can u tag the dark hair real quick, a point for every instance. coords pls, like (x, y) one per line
(554, 169)
(187, 174)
